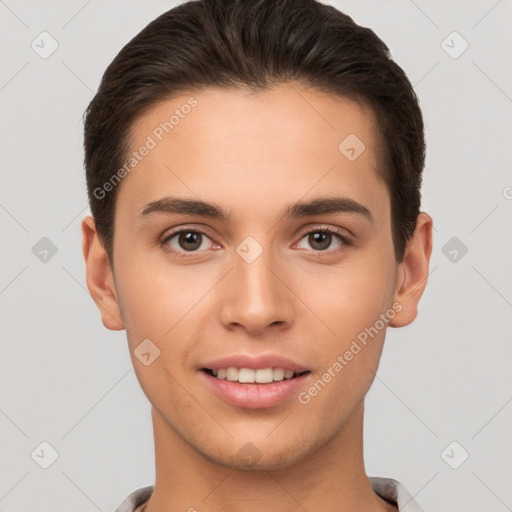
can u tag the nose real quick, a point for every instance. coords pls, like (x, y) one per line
(257, 296)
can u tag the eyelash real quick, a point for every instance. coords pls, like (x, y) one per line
(346, 241)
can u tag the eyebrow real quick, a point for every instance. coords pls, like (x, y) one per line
(318, 206)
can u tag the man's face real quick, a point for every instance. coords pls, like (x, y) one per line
(257, 282)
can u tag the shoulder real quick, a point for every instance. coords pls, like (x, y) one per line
(395, 492)
(135, 499)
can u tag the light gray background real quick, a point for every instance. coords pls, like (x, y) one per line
(68, 381)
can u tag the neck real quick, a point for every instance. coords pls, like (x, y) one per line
(332, 478)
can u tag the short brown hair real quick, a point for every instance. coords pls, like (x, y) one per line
(256, 44)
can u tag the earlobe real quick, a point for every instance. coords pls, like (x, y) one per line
(413, 272)
(99, 277)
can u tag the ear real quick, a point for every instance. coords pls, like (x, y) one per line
(99, 277)
(413, 272)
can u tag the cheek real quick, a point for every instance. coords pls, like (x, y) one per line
(163, 305)
(348, 357)
(154, 311)
(151, 298)
(349, 301)
(348, 298)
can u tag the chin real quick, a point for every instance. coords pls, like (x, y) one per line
(253, 457)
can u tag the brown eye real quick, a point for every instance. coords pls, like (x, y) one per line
(320, 240)
(324, 239)
(190, 240)
(187, 240)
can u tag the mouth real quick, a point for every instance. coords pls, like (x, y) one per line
(253, 376)
(249, 388)
(254, 381)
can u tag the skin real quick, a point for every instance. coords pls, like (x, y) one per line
(252, 154)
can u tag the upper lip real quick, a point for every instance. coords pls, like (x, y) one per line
(255, 363)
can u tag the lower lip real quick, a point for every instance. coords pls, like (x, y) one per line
(255, 396)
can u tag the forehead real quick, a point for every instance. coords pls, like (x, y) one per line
(233, 143)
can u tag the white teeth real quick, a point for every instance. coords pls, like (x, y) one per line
(288, 374)
(279, 373)
(264, 375)
(246, 375)
(231, 373)
(260, 376)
